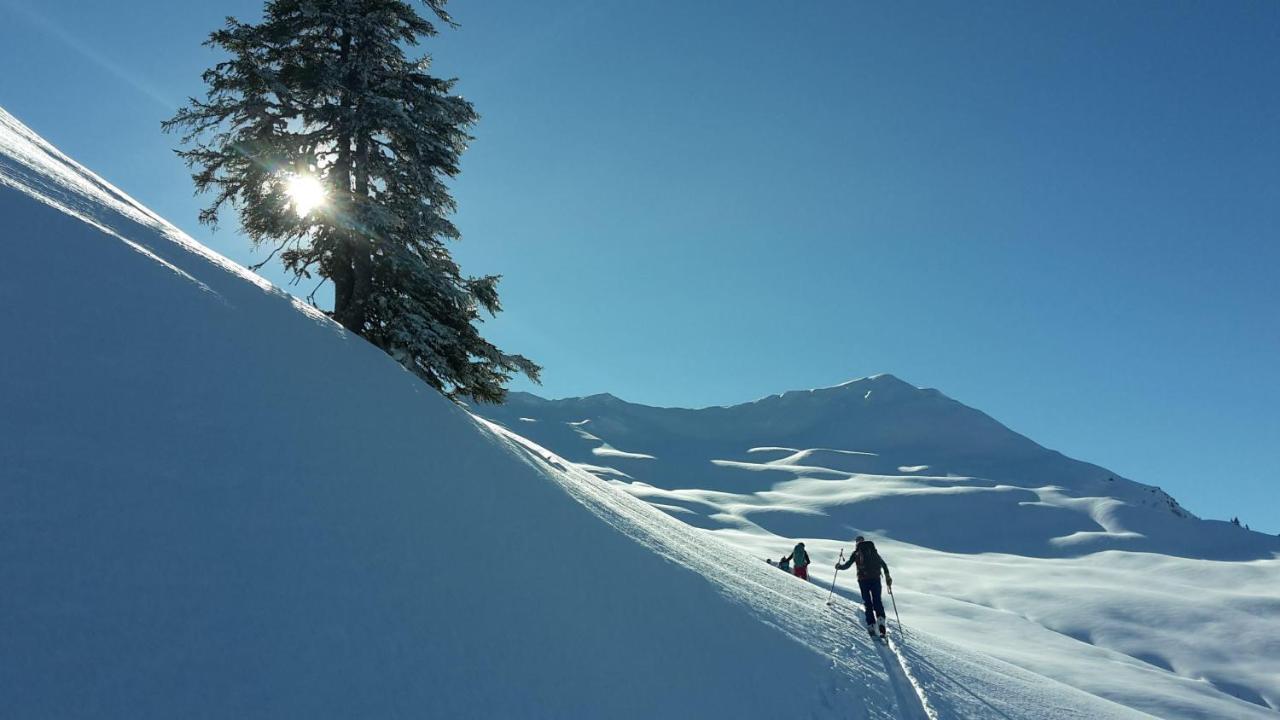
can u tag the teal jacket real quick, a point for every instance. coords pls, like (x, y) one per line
(799, 558)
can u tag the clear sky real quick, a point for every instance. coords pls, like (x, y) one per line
(1064, 214)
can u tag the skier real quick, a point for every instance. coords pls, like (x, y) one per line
(869, 566)
(800, 561)
(784, 564)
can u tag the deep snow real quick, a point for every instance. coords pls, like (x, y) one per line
(1000, 545)
(215, 503)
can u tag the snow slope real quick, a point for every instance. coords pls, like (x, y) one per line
(1057, 566)
(215, 503)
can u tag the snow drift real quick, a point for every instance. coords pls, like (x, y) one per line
(1055, 565)
(945, 475)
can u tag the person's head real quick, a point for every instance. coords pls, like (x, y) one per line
(859, 539)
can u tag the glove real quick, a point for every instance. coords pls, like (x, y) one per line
(888, 580)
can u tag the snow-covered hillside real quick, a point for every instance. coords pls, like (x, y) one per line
(215, 503)
(1058, 566)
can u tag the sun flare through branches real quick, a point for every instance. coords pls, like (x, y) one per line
(305, 192)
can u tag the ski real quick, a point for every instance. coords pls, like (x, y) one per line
(874, 631)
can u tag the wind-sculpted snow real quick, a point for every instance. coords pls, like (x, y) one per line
(922, 677)
(1051, 565)
(877, 454)
(32, 166)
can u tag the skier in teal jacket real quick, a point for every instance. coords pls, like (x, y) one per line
(800, 562)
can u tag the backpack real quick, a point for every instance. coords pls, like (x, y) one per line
(868, 559)
(800, 558)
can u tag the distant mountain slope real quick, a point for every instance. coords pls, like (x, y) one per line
(974, 485)
(1055, 565)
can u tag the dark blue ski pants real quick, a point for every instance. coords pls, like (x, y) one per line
(871, 599)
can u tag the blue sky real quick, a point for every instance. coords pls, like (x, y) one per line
(1066, 216)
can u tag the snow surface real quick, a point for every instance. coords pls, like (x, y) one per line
(1056, 566)
(215, 503)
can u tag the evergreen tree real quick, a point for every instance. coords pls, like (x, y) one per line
(320, 98)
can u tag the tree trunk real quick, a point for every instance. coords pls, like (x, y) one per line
(362, 245)
(340, 274)
(344, 282)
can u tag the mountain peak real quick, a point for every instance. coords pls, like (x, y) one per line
(879, 380)
(882, 378)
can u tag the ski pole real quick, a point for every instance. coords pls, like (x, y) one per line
(895, 608)
(833, 577)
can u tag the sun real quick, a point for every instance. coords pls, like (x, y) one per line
(305, 192)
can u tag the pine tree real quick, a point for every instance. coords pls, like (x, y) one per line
(322, 92)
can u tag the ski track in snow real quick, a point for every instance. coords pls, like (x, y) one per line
(768, 592)
(1046, 566)
(910, 693)
(876, 677)
(912, 701)
(904, 678)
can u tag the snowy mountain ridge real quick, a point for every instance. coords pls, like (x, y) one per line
(883, 386)
(984, 520)
(197, 520)
(883, 426)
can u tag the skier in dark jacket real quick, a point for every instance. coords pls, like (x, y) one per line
(869, 565)
(800, 561)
